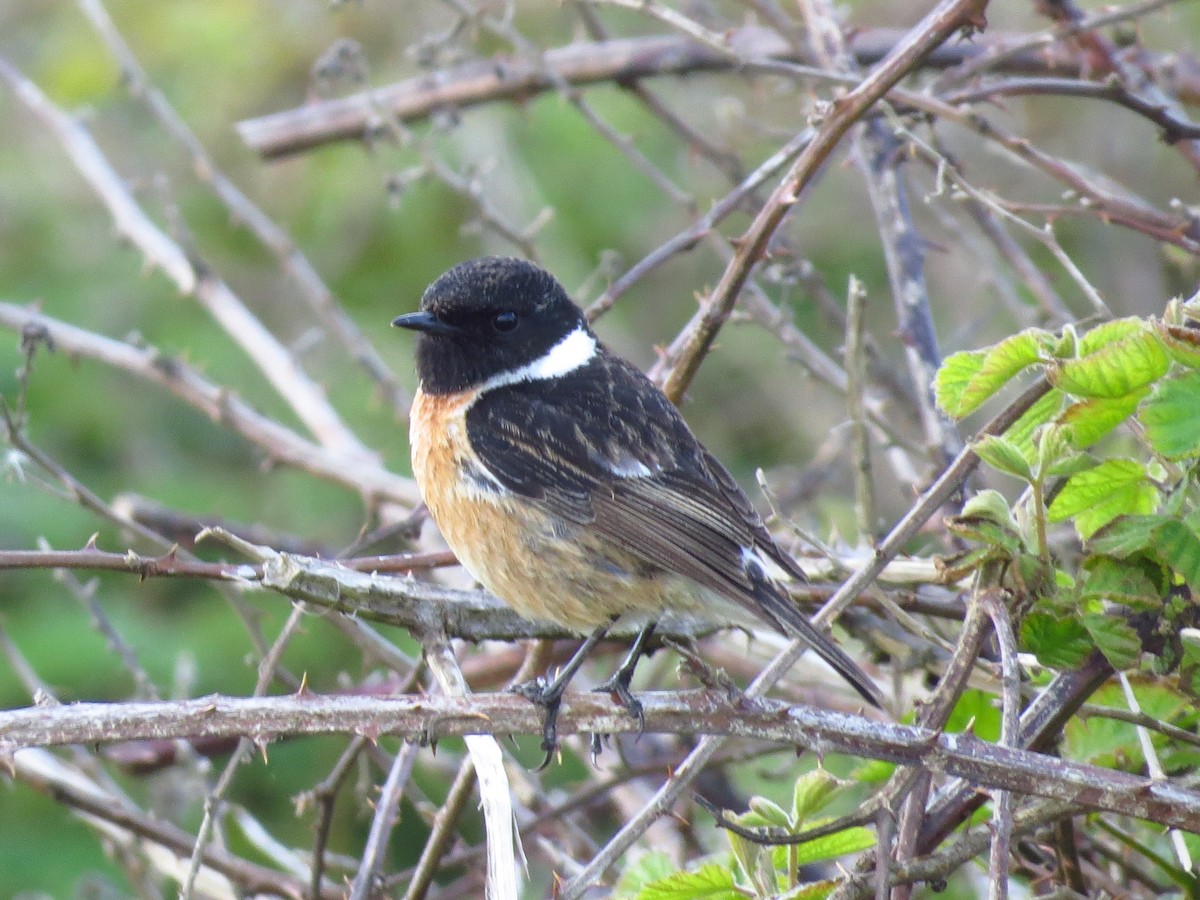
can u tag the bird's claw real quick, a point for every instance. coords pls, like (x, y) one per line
(547, 695)
(619, 688)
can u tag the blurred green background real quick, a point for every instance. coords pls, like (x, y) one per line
(221, 61)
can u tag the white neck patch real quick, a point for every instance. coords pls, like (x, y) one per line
(575, 350)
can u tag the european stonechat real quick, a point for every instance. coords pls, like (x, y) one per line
(568, 485)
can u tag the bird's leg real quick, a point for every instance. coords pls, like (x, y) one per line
(548, 694)
(618, 684)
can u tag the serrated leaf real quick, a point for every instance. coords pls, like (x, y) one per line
(709, 882)
(1115, 638)
(1171, 416)
(1003, 456)
(1044, 409)
(1091, 419)
(1094, 498)
(1115, 369)
(1125, 536)
(1060, 643)
(966, 380)
(652, 866)
(1107, 333)
(953, 379)
(1118, 581)
(1178, 546)
(831, 846)
(812, 793)
(1174, 543)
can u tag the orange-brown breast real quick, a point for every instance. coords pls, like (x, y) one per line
(542, 566)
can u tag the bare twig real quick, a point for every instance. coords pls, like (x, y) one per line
(189, 276)
(215, 799)
(387, 812)
(619, 61)
(681, 360)
(221, 405)
(442, 832)
(312, 287)
(686, 712)
(45, 774)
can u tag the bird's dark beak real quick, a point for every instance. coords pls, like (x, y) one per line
(425, 322)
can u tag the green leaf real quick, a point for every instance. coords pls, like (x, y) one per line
(649, 867)
(979, 711)
(746, 853)
(873, 771)
(957, 566)
(1094, 498)
(1108, 333)
(831, 846)
(1044, 409)
(1178, 546)
(986, 519)
(1189, 666)
(1069, 464)
(709, 882)
(1052, 446)
(1091, 419)
(1057, 642)
(815, 890)
(966, 380)
(1115, 638)
(772, 813)
(1117, 581)
(1003, 456)
(1125, 536)
(812, 793)
(991, 506)
(1067, 344)
(1115, 369)
(1170, 541)
(1171, 416)
(1111, 743)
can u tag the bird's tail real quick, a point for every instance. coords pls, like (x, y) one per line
(776, 607)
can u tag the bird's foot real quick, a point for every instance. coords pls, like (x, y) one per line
(618, 686)
(548, 695)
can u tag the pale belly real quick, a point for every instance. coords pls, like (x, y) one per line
(548, 568)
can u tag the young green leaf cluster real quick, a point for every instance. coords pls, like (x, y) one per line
(756, 870)
(1132, 500)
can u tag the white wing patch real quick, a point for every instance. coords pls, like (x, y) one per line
(631, 467)
(752, 559)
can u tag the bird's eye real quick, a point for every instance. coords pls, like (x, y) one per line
(505, 321)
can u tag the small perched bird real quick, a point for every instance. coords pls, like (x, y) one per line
(568, 485)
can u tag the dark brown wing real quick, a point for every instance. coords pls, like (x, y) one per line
(602, 447)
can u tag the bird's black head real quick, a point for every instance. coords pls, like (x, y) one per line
(489, 317)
